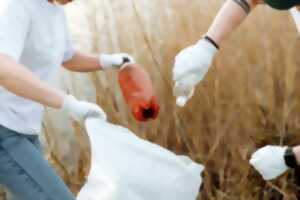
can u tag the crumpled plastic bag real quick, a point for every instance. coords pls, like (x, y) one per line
(129, 168)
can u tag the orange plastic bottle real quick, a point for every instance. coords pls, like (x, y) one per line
(138, 91)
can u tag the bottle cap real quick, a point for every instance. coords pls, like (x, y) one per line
(181, 101)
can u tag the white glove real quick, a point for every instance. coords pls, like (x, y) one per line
(191, 66)
(269, 161)
(115, 61)
(81, 110)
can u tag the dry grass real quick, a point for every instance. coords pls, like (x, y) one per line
(250, 97)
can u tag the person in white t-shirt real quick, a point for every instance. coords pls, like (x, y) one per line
(34, 43)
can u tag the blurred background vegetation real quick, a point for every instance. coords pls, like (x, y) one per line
(250, 98)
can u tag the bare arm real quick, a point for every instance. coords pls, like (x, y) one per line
(228, 19)
(20, 81)
(81, 62)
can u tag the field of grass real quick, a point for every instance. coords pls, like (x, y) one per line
(250, 98)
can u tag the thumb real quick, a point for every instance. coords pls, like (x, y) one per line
(183, 96)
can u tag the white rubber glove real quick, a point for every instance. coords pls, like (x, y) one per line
(81, 110)
(115, 61)
(191, 66)
(269, 161)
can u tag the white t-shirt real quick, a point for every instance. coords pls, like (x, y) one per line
(35, 34)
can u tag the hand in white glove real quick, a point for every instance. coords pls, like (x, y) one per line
(269, 161)
(191, 66)
(81, 110)
(115, 61)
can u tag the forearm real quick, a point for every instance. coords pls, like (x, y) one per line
(20, 81)
(228, 19)
(83, 63)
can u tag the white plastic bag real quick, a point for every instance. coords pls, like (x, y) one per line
(125, 167)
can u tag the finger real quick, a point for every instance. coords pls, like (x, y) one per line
(95, 114)
(182, 101)
(101, 113)
(268, 177)
(177, 76)
(180, 70)
(254, 161)
(261, 151)
(183, 69)
(256, 157)
(126, 58)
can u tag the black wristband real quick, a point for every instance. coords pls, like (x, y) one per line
(244, 5)
(211, 41)
(289, 158)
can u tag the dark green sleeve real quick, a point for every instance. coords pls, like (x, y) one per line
(282, 4)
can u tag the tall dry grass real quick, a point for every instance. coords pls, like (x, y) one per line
(250, 97)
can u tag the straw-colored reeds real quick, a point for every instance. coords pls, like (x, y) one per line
(250, 97)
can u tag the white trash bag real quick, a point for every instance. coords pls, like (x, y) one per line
(125, 167)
